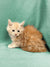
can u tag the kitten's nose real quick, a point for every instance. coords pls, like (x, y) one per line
(15, 34)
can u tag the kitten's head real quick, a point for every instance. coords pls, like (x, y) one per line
(14, 28)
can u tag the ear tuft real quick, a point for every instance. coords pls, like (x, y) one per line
(22, 23)
(9, 22)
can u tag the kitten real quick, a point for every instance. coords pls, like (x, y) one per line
(28, 38)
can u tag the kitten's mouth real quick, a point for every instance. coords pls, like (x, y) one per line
(16, 35)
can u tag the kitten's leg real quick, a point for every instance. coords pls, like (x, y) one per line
(13, 45)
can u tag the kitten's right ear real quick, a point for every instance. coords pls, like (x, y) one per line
(9, 22)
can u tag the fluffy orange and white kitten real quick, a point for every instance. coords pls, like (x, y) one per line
(28, 38)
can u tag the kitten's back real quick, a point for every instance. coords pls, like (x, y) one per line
(32, 40)
(33, 31)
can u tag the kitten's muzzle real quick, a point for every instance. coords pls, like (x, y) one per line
(15, 34)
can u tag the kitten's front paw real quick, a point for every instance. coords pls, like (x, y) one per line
(10, 46)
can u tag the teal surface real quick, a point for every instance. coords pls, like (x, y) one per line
(34, 12)
(19, 58)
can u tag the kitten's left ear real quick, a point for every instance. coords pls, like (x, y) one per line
(22, 23)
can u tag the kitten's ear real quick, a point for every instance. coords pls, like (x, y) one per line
(21, 24)
(10, 22)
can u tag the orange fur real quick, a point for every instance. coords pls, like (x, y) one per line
(33, 40)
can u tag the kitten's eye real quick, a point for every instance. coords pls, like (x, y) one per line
(13, 30)
(18, 30)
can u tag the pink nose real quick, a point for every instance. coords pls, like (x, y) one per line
(15, 34)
